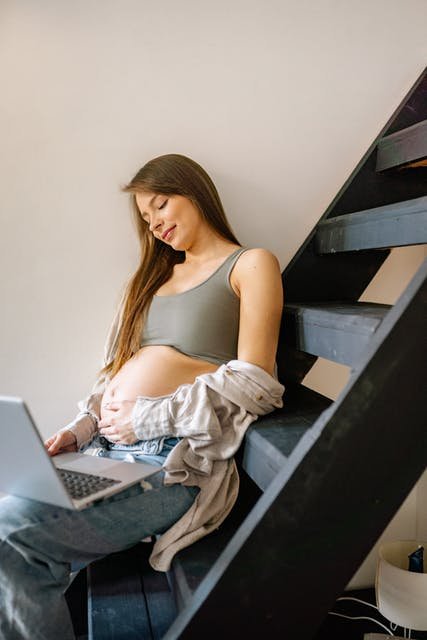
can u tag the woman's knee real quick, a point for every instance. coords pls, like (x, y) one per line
(10, 516)
(19, 513)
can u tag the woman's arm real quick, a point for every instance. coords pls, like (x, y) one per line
(79, 433)
(258, 279)
(226, 400)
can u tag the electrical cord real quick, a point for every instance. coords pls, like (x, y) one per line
(357, 600)
(369, 604)
(341, 615)
(393, 626)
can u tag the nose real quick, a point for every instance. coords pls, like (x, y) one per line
(155, 223)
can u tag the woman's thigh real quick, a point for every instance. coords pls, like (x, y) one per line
(43, 531)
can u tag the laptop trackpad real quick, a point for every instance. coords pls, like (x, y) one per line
(84, 463)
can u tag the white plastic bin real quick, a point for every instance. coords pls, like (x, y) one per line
(401, 594)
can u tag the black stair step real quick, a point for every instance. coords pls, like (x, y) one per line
(270, 440)
(402, 147)
(160, 601)
(191, 565)
(268, 443)
(333, 330)
(116, 606)
(127, 598)
(393, 225)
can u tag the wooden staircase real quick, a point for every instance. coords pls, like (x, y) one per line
(320, 479)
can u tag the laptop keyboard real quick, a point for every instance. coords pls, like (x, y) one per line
(80, 485)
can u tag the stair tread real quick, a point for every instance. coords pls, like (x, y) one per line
(394, 225)
(159, 599)
(270, 440)
(334, 330)
(125, 583)
(402, 147)
(114, 584)
(357, 315)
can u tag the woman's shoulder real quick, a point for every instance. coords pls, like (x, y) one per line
(257, 257)
(255, 265)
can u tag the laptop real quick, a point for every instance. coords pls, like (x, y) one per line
(70, 480)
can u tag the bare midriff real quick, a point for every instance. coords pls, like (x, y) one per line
(155, 370)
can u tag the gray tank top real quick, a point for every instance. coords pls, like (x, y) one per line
(202, 322)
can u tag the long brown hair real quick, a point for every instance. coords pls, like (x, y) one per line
(171, 174)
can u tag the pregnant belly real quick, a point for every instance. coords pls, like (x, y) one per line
(155, 370)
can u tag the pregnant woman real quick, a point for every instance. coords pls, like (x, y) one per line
(189, 364)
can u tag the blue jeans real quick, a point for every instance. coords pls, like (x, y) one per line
(41, 544)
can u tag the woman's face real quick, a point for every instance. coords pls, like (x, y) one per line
(173, 219)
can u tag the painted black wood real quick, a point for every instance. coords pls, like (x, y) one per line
(117, 609)
(308, 533)
(402, 147)
(411, 107)
(323, 278)
(268, 444)
(338, 332)
(191, 565)
(394, 225)
(366, 188)
(270, 440)
(344, 276)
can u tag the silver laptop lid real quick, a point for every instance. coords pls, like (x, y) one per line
(25, 468)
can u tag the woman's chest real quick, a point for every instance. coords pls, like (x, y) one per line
(186, 277)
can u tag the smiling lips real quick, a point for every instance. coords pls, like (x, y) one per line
(168, 232)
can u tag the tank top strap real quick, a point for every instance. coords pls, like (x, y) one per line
(231, 261)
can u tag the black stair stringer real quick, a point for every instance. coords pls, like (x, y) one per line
(313, 526)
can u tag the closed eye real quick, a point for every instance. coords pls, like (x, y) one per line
(164, 204)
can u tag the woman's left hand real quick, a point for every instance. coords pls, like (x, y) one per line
(117, 426)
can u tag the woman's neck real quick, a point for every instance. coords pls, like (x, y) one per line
(209, 248)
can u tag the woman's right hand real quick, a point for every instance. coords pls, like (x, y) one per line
(61, 442)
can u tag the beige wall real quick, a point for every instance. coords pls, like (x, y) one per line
(277, 99)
